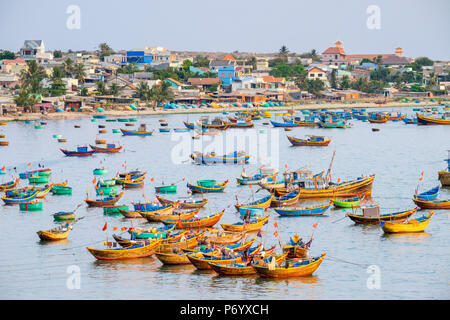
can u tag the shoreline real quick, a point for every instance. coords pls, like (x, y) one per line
(125, 113)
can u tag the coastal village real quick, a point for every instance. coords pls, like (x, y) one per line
(35, 80)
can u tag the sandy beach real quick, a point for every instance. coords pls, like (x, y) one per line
(150, 111)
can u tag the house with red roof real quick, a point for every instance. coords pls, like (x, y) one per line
(335, 55)
(14, 66)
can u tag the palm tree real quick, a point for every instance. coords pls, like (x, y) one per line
(161, 93)
(142, 91)
(68, 66)
(32, 77)
(377, 61)
(79, 72)
(114, 89)
(105, 50)
(283, 52)
(57, 75)
(101, 88)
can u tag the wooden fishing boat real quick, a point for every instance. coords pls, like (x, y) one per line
(432, 204)
(240, 125)
(243, 269)
(286, 124)
(113, 209)
(428, 195)
(314, 141)
(100, 171)
(131, 214)
(135, 183)
(286, 200)
(425, 120)
(131, 242)
(201, 262)
(197, 222)
(224, 238)
(170, 216)
(186, 242)
(156, 211)
(80, 152)
(348, 203)
(31, 206)
(296, 269)
(263, 203)
(377, 118)
(201, 189)
(136, 133)
(211, 158)
(166, 189)
(61, 190)
(20, 199)
(309, 211)
(300, 123)
(9, 185)
(99, 141)
(106, 183)
(141, 250)
(133, 175)
(237, 247)
(38, 179)
(345, 189)
(110, 148)
(140, 233)
(108, 201)
(60, 216)
(252, 225)
(185, 204)
(54, 234)
(296, 248)
(42, 192)
(106, 191)
(415, 225)
(376, 217)
(444, 176)
(173, 258)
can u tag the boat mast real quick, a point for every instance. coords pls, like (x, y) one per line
(329, 169)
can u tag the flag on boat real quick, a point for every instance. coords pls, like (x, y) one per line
(105, 226)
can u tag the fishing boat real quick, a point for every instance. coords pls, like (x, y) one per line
(396, 116)
(107, 201)
(185, 204)
(426, 120)
(184, 241)
(245, 268)
(64, 215)
(31, 206)
(428, 195)
(240, 125)
(106, 183)
(42, 192)
(152, 214)
(286, 200)
(38, 179)
(80, 152)
(211, 157)
(61, 190)
(292, 179)
(20, 199)
(263, 173)
(132, 175)
(166, 189)
(136, 133)
(295, 269)
(286, 124)
(150, 233)
(237, 247)
(410, 120)
(348, 203)
(140, 250)
(250, 225)
(263, 203)
(296, 248)
(169, 258)
(203, 188)
(432, 204)
(377, 118)
(131, 214)
(114, 209)
(308, 211)
(306, 123)
(110, 148)
(444, 176)
(371, 215)
(314, 141)
(100, 171)
(106, 191)
(197, 222)
(9, 185)
(415, 225)
(54, 234)
(134, 183)
(169, 214)
(221, 238)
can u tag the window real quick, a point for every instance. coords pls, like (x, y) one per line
(335, 57)
(319, 75)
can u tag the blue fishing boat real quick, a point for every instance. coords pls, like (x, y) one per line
(150, 233)
(286, 124)
(251, 212)
(310, 211)
(181, 130)
(80, 152)
(428, 195)
(211, 157)
(410, 120)
(20, 199)
(286, 200)
(269, 174)
(136, 133)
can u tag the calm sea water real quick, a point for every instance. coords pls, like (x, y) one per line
(410, 266)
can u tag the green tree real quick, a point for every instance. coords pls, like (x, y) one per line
(101, 88)
(421, 62)
(314, 56)
(283, 53)
(32, 77)
(333, 80)
(186, 64)
(128, 68)
(201, 61)
(345, 82)
(315, 86)
(84, 92)
(114, 90)
(142, 91)
(57, 54)
(68, 67)
(105, 50)
(58, 87)
(251, 61)
(79, 72)
(25, 99)
(7, 55)
(161, 93)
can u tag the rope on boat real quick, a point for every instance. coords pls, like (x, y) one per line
(364, 266)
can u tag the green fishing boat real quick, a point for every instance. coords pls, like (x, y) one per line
(61, 190)
(30, 206)
(39, 127)
(100, 171)
(122, 120)
(107, 183)
(132, 119)
(111, 120)
(348, 203)
(166, 189)
(61, 216)
(206, 183)
(44, 173)
(57, 136)
(107, 190)
(114, 209)
(38, 179)
(94, 120)
(116, 130)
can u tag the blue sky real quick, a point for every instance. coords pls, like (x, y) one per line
(419, 27)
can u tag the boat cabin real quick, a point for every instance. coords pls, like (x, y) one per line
(371, 210)
(142, 127)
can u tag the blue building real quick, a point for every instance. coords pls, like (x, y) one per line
(227, 74)
(138, 57)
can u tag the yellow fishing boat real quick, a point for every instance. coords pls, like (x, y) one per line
(240, 226)
(55, 234)
(298, 269)
(415, 225)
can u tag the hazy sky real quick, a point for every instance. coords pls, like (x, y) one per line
(420, 27)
